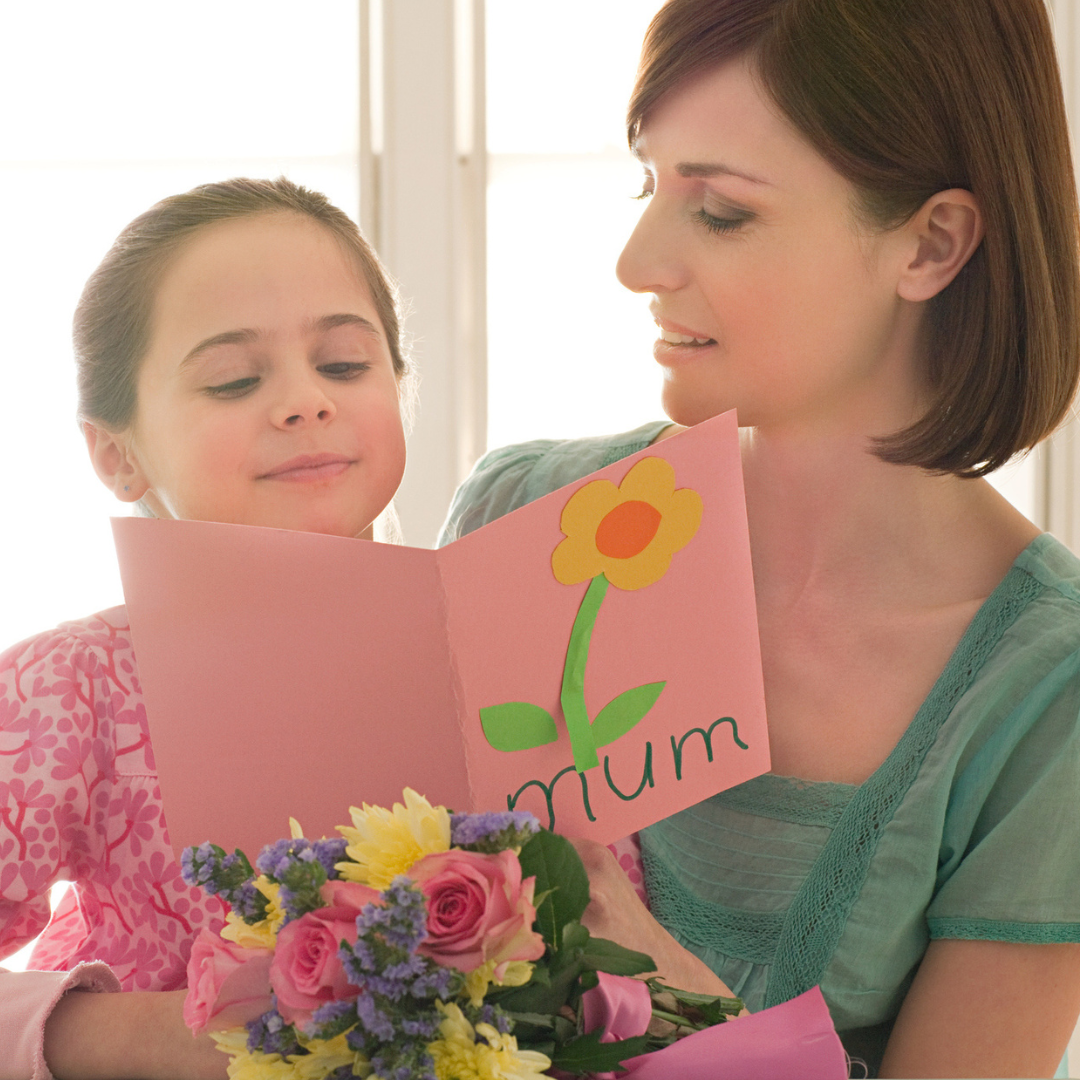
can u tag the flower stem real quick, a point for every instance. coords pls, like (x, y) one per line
(573, 683)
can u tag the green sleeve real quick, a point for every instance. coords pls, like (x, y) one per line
(512, 476)
(1010, 855)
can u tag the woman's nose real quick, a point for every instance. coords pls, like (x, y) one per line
(303, 400)
(650, 262)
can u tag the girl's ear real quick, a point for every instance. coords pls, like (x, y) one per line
(945, 233)
(115, 462)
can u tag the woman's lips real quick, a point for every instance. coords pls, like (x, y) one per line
(309, 467)
(679, 342)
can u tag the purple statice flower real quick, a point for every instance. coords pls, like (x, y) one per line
(331, 1019)
(248, 903)
(270, 1034)
(329, 853)
(374, 1020)
(492, 831)
(300, 868)
(493, 1015)
(437, 982)
(226, 875)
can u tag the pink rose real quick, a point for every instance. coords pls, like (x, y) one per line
(479, 909)
(306, 971)
(620, 1005)
(227, 985)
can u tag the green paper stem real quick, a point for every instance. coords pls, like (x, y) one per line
(572, 698)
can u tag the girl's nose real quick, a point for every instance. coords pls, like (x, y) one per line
(650, 262)
(303, 400)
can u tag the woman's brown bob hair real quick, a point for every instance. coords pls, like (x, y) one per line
(113, 318)
(906, 98)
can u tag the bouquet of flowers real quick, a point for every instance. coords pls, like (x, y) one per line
(421, 943)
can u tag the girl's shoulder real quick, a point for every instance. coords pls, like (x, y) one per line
(104, 635)
(512, 476)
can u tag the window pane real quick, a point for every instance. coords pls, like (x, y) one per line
(569, 349)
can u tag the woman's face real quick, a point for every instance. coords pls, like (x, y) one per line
(769, 297)
(268, 395)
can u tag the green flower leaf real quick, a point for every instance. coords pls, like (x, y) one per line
(561, 881)
(621, 713)
(603, 955)
(587, 1054)
(517, 725)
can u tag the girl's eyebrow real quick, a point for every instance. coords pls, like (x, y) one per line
(247, 336)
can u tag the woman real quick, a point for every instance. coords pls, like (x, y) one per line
(862, 234)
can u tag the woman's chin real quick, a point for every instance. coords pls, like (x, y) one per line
(689, 407)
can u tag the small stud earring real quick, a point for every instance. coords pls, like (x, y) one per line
(126, 488)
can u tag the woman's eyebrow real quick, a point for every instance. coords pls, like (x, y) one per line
(705, 170)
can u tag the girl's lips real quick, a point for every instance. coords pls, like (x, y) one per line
(309, 467)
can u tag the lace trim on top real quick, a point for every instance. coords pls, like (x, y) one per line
(746, 935)
(788, 798)
(817, 916)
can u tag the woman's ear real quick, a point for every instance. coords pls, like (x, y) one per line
(115, 462)
(945, 232)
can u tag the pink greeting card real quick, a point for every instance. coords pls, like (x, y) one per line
(592, 657)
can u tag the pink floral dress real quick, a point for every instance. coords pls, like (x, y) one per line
(79, 802)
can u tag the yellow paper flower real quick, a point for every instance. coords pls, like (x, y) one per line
(627, 533)
(263, 934)
(386, 843)
(458, 1056)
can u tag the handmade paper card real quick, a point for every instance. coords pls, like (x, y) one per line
(592, 657)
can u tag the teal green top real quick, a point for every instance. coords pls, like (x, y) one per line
(969, 829)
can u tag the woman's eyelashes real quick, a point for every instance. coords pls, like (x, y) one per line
(713, 216)
(725, 222)
(338, 370)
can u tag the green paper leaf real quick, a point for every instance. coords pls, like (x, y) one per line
(556, 865)
(621, 713)
(587, 1054)
(517, 725)
(603, 955)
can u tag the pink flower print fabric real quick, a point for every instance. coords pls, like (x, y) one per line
(628, 853)
(79, 801)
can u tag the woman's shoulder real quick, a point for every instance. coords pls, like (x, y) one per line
(512, 476)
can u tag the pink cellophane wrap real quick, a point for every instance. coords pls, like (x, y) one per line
(794, 1040)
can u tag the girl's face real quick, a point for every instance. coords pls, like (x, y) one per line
(268, 395)
(769, 297)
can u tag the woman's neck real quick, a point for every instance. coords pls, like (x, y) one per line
(827, 515)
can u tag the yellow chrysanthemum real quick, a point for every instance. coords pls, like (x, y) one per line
(514, 973)
(458, 1056)
(325, 1057)
(385, 843)
(263, 934)
(245, 1064)
(627, 533)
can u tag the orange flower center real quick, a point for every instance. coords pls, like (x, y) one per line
(627, 530)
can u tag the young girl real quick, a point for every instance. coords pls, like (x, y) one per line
(239, 361)
(862, 233)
